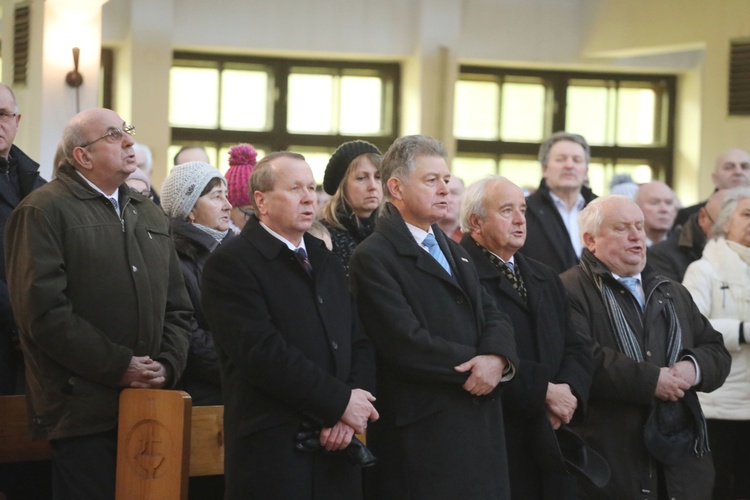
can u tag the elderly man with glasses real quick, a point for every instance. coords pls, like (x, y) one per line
(99, 299)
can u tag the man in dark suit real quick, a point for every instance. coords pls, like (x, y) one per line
(554, 376)
(552, 215)
(443, 347)
(293, 356)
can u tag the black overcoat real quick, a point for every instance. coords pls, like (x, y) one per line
(547, 239)
(550, 350)
(291, 347)
(11, 360)
(434, 440)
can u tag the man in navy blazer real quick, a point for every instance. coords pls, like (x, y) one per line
(555, 368)
(293, 355)
(443, 347)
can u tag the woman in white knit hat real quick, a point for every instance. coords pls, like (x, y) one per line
(194, 196)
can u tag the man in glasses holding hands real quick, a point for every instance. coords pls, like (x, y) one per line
(99, 300)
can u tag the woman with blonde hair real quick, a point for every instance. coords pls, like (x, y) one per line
(352, 178)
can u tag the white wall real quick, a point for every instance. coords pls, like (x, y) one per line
(431, 38)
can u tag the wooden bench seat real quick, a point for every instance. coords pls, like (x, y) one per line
(162, 440)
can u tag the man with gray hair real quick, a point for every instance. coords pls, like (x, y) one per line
(553, 385)
(552, 216)
(100, 301)
(658, 203)
(652, 351)
(443, 347)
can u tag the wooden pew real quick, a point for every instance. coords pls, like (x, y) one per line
(162, 440)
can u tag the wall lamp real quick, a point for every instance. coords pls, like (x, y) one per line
(74, 78)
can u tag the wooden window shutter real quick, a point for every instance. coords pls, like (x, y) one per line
(739, 78)
(21, 37)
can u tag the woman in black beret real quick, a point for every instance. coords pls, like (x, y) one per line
(352, 178)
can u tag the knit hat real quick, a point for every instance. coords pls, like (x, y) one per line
(184, 185)
(242, 160)
(140, 175)
(340, 161)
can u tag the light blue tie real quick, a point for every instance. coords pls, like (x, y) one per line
(115, 204)
(434, 249)
(510, 266)
(632, 285)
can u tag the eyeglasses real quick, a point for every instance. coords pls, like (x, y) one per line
(5, 116)
(114, 135)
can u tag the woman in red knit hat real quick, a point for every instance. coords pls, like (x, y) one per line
(242, 160)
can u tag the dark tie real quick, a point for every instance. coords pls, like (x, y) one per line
(509, 271)
(632, 285)
(432, 246)
(302, 258)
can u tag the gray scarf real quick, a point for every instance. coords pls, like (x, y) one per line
(214, 233)
(629, 345)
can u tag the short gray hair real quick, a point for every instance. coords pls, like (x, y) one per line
(399, 159)
(728, 206)
(148, 156)
(550, 141)
(591, 217)
(473, 201)
(74, 136)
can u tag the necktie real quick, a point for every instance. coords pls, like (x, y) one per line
(115, 204)
(515, 279)
(302, 257)
(632, 285)
(432, 246)
(509, 271)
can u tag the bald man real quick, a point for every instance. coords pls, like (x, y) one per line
(732, 169)
(685, 244)
(658, 203)
(99, 298)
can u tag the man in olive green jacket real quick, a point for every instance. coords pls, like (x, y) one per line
(99, 299)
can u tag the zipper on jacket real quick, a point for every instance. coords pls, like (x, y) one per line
(651, 292)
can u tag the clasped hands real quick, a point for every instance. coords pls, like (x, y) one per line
(486, 372)
(358, 413)
(675, 380)
(144, 373)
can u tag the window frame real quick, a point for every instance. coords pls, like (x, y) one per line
(277, 138)
(659, 157)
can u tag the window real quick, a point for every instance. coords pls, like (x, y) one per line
(309, 107)
(501, 116)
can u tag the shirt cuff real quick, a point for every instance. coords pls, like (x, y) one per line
(697, 369)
